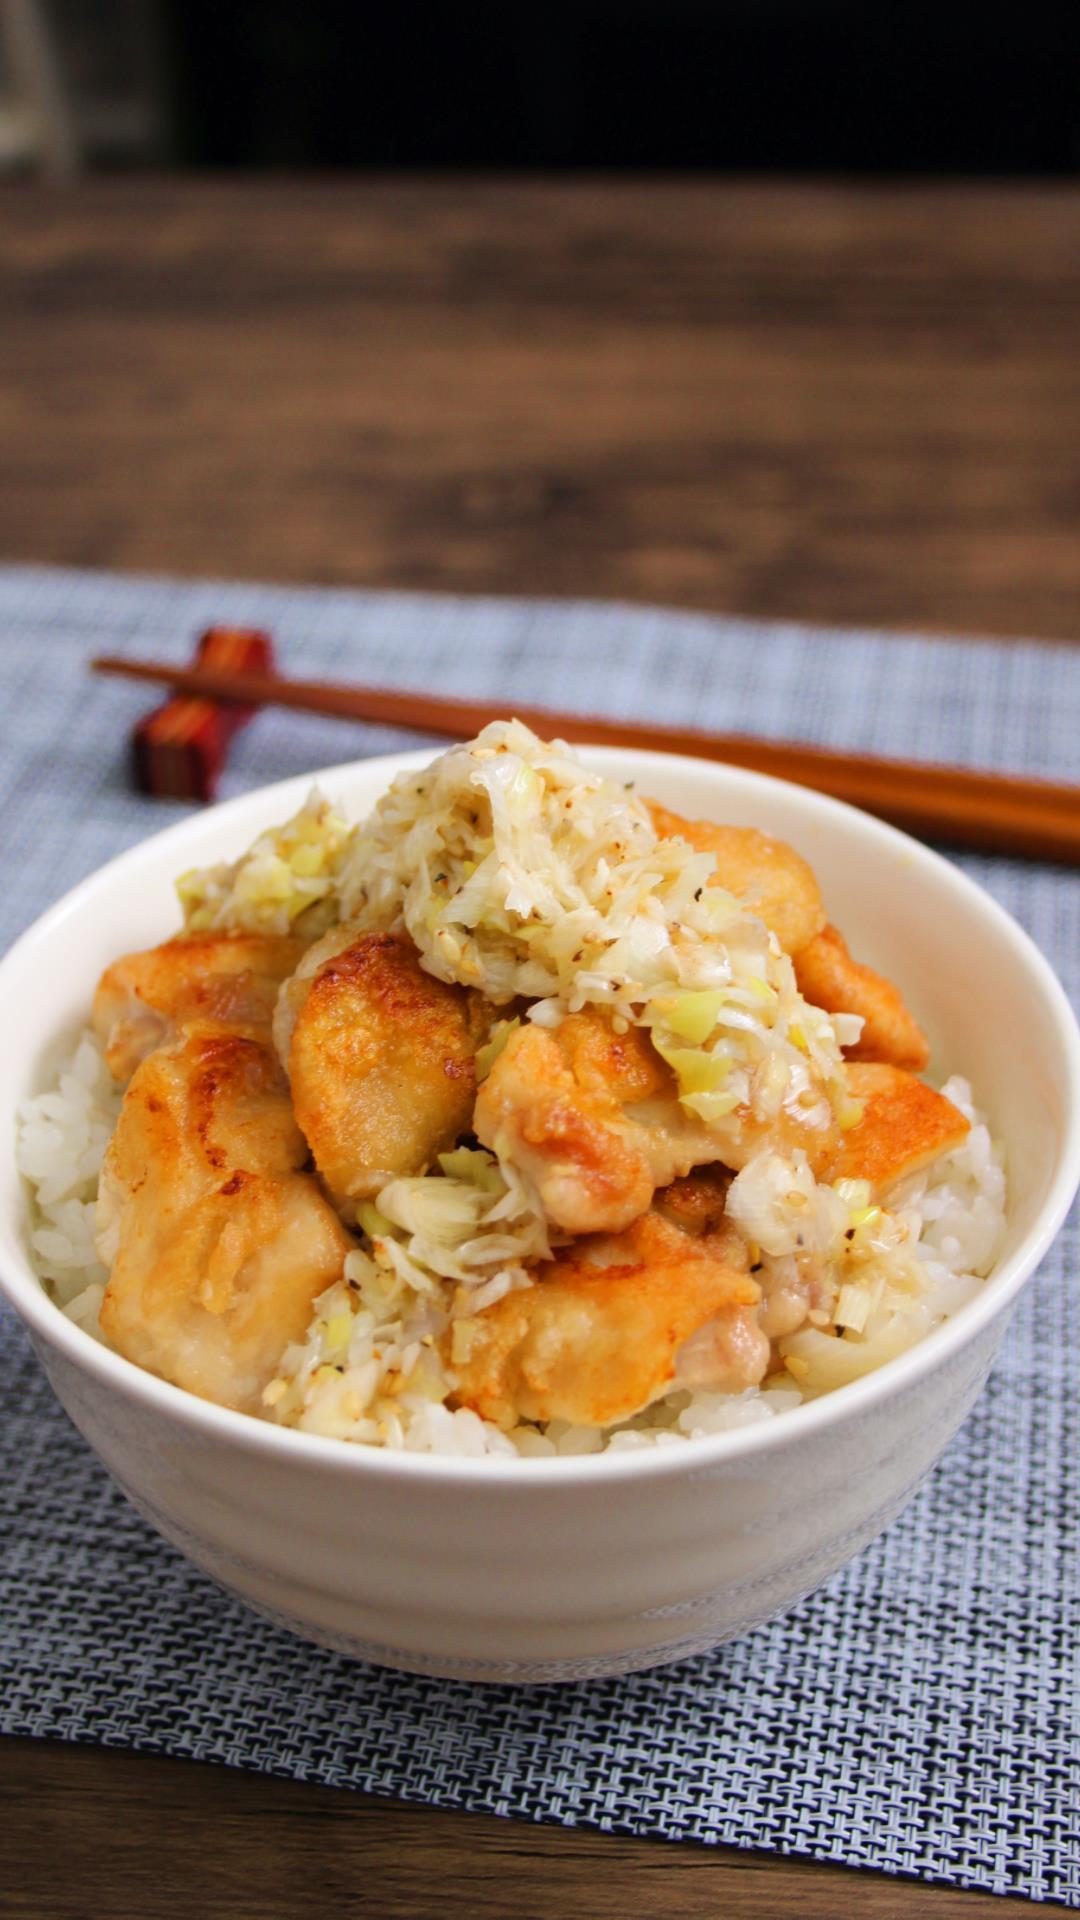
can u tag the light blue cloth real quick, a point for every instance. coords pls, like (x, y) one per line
(921, 1714)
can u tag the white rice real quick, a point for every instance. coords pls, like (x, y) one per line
(61, 1140)
(369, 1370)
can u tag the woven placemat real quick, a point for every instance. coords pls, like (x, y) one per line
(920, 1714)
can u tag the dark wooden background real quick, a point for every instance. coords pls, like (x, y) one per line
(822, 403)
(853, 405)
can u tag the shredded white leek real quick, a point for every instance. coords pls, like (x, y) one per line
(286, 882)
(518, 871)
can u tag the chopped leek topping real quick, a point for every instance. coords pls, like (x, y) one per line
(490, 1051)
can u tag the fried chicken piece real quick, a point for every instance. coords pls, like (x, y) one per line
(777, 884)
(217, 1243)
(553, 1105)
(608, 1328)
(593, 1118)
(381, 1059)
(696, 1205)
(904, 1126)
(768, 876)
(231, 978)
(828, 977)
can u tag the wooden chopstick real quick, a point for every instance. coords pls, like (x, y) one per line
(995, 812)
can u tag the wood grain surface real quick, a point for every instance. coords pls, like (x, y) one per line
(89, 1835)
(834, 404)
(852, 404)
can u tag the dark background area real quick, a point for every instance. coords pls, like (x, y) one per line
(843, 86)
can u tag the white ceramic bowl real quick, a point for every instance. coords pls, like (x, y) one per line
(556, 1570)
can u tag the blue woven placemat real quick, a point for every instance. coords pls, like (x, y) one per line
(921, 1714)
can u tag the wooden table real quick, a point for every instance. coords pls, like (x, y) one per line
(835, 404)
(851, 405)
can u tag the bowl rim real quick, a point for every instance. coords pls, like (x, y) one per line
(701, 1456)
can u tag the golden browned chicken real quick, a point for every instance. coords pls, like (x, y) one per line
(593, 1118)
(828, 977)
(776, 883)
(381, 1060)
(608, 1328)
(904, 1126)
(767, 875)
(696, 1205)
(217, 1243)
(232, 978)
(558, 1105)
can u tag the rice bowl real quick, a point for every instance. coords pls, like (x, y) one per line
(328, 1536)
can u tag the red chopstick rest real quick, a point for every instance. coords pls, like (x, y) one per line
(179, 750)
